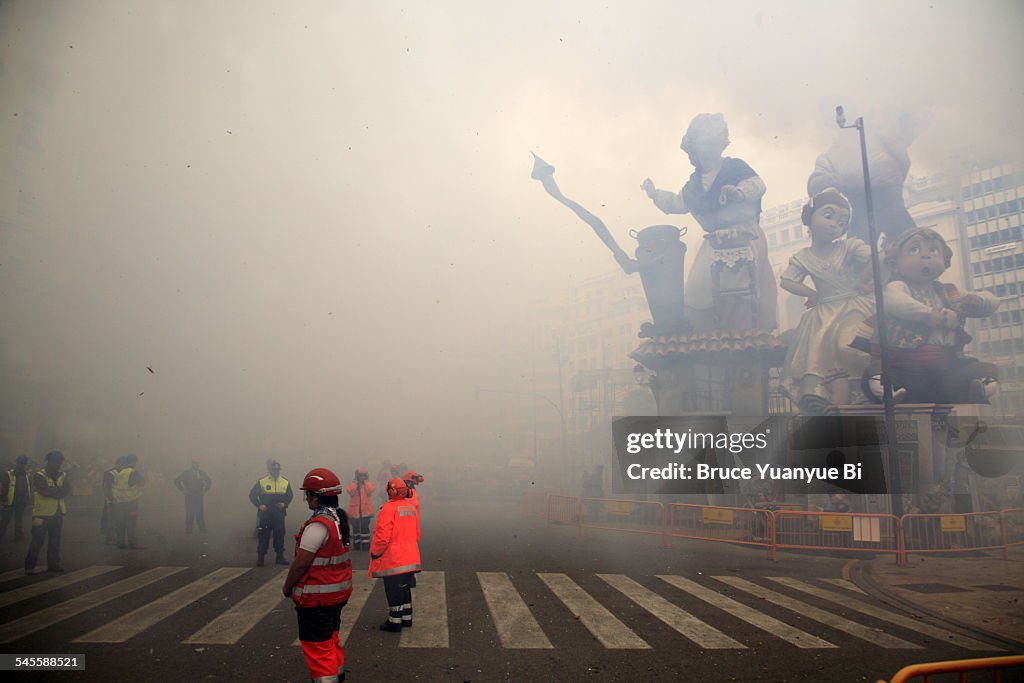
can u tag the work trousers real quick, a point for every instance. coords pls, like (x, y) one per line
(126, 521)
(45, 529)
(398, 590)
(318, 634)
(270, 524)
(361, 532)
(15, 511)
(194, 512)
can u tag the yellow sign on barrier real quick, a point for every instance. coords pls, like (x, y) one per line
(620, 508)
(716, 516)
(836, 523)
(953, 523)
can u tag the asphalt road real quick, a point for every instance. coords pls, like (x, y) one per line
(505, 597)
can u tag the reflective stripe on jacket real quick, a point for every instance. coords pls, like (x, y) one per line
(123, 491)
(49, 506)
(360, 504)
(329, 579)
(396, 540)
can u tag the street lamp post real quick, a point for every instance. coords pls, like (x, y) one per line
(561, 415)
(883, 341)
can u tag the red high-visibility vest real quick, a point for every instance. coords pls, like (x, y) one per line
(360, 504)
(329, 579)
(396, 538)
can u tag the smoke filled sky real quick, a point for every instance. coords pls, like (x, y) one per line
(315, 221)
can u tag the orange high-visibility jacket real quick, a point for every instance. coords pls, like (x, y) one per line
(359, 503)
(396, 540)
(329, 579)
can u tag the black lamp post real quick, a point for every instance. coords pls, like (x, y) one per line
(883, 341)
(651, 381)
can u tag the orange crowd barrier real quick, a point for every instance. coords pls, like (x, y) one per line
(1013, 526)
(637, 516)
(563, 510)
(854, 531)
(784, 527)
(959, 666)
(535, 503)
(743, 526)
(935, 533)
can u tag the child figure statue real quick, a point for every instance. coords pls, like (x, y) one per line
(925, 324)
(724, 195)
(837, 306)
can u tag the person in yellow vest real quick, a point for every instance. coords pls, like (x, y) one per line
(271, 495)
(125, 492)
(15, 497)
(51, 494)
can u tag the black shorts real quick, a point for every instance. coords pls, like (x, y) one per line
(317, 624)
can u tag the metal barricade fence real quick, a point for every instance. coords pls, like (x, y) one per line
(1013, 526)
(959, 666)
(637, 516)
(563, 510)
(935, 533)
(877, 533)
(743, 526)
(535, 503)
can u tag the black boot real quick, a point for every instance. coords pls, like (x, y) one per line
(259, 560)
(280, 559)
(388, 626)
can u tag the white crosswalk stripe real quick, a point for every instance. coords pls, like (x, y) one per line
(34, 589)
(846, 584)
(13, 574)
(750, 615)
(515, 621)
(516, 626)
(611, 632)
(708, 637)
(811, 612)
(139, 620)
(885, 615)
(228, 628)
(430, 613)
(36, 621)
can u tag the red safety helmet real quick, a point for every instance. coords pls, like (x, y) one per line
(321, 480)
(397, 489)
(413, 475)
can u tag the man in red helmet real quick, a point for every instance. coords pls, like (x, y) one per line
(360, 508)
(319, 579)
(395, 554)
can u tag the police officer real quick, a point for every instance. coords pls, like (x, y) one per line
(271, 495)
(51, 494)
(125, 492)
(15, 497)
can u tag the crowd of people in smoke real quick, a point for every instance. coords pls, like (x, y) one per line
(319, 579)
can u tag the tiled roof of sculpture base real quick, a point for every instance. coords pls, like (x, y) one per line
(707, 343)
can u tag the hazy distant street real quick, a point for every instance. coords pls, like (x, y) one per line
(591, 607)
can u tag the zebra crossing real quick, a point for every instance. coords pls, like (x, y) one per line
(765, 603)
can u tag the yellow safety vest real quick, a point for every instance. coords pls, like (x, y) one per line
(122, 491)
(49, 507)
(270, 485)
(12, 479)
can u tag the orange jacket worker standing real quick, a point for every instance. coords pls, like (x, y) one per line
(395, 554)
(360, 508)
